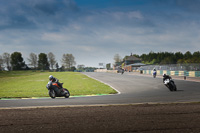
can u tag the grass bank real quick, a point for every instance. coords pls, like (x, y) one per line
(17, 84)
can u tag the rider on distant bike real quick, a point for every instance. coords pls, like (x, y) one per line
(54, 84)
(166, 77)
(154, 72)
(53, 79)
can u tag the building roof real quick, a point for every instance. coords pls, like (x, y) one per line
(137, 64)
(133, 58)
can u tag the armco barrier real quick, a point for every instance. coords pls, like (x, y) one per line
(175, 73)
(101, 70)
(112, 71)
(105, 70)
(197, 73)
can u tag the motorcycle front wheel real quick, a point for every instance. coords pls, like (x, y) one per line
(52, 94)
(173, 86)
(170, 87)
(67, 94)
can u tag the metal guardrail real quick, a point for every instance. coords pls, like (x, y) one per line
(173, 67)
(176, 73)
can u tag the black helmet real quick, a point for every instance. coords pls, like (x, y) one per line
(164, 75)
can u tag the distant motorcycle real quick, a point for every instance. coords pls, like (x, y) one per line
(122, 71)
(154, 74)
(169, 83)
(63, 92)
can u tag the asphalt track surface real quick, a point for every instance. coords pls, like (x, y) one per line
(133, 88)
(143, 104)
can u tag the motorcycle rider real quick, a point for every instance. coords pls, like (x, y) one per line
(122, 70)
(166, 77)
(53, 79)
(173, 86)
(154, 72)
(56, 87)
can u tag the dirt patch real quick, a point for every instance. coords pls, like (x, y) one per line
(165, 118)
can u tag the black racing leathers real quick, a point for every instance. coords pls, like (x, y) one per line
(166, 77)
(55, 80)
(55, 85)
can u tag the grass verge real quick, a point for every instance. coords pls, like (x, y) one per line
(18, 84)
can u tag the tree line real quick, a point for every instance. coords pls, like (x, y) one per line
(163, 58)
(42, 61)
(170, 58)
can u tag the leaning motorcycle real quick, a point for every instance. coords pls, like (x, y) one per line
(169, 83)
(63, 92)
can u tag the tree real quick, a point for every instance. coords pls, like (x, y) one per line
(108, 66)
(180, 61)
(73, 68)
(6, 60)
(81, 67)
(51, 59)
(57, 67)
(68, 60)
(17, 62)
(143, 57)
(43, 63)
(178, 57)
(33, 60)
(187, 55)
(1, 62)
(196, 54)
(117, 58)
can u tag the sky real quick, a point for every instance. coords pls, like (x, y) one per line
(95, 30)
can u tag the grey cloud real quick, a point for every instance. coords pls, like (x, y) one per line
(55, 6)
(187, 5)
(49, 9)
(25, 14)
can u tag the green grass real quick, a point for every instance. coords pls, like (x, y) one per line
(17, 84)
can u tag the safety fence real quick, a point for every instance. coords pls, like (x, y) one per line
(190, 70)
(173, 67)
(176, 73)
(105, 70)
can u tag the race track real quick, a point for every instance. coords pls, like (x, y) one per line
(132, 89)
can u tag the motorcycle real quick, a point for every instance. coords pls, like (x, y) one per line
(122, 71)
(62, 92)
(169, 83)
(154, 74)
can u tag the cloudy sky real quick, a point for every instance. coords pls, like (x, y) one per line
(95, 30)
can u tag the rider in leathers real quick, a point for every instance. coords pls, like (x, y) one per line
(166, 77)
(51, 84)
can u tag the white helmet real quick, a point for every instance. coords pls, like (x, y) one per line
(50, 77)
